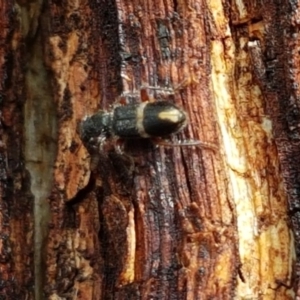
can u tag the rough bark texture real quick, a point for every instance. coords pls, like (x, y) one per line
(155, 222)
(166, 223)
(16, 201)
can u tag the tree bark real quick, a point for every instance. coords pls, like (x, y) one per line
(213, 222)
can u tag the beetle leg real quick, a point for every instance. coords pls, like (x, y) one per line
(144, 95)
(119, 145)
(101, 141)
(169, 91)
(186, 143)
(189, 80)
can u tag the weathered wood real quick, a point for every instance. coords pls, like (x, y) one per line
(162, 226)
(155, 222)
(16, 200)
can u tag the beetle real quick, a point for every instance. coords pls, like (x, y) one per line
(144, 120)
(149, 119)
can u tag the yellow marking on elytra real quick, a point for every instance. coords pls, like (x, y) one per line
(172, 115)
(140, 119)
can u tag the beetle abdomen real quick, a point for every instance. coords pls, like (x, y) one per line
(162, 119)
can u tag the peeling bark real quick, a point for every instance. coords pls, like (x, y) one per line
(154, 222)
(16, 201)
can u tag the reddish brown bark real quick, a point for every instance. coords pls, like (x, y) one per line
(156, 222)
(162, 226)
(16, 201)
